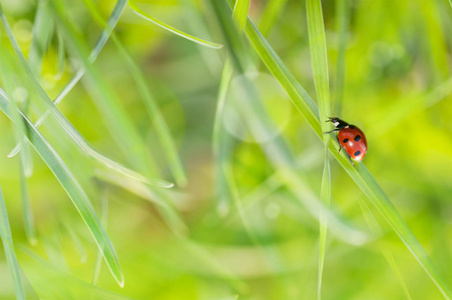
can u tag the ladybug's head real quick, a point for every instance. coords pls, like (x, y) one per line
(338, 123)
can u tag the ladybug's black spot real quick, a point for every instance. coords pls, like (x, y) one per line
(357, 153)
(345, 141)
(351, 126)
(357, 138)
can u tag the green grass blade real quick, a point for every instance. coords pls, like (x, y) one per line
(359, 174)
(325, 197)
(155, 115)
(317, 45)
(41, 35)
(60, 56)
(342, 25)
(72, 188)
(104, 220)
(376, 230)
(221, 141)
(13, 265)
(272, 12)
(29, 224)
(240, 13)
(187, 36)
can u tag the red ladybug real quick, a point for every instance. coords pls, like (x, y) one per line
(351, 138)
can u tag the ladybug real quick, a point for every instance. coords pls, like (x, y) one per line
(351, 138)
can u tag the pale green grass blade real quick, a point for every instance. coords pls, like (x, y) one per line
(155, 115)
(272, 12)
(342, 27)
(43, 28)
(319, 60)
(8, 245)
(72, 188)
(359, 174)
(29, 223)
(221, 141)
(25, 162)
(325, 196)
(9, 82)
(240, 13)
(104, 220)
(376, 230)
(60, 58)
(187, 36)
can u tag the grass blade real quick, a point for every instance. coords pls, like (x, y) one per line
(240, 13)
(41, 36)
(317, 45)
(72, 188)
(342, 25)
(155, 115)
(187, 36)
(13, 265)
(29, 224)
(359, 173)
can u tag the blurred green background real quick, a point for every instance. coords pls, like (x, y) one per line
(237, 229)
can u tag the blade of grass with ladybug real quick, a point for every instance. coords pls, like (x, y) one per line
(359, 173)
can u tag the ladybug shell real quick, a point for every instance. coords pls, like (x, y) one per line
(354, 142)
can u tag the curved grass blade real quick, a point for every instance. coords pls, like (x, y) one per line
(155, 115)
(72, 188)
(8, 245)
(317, 45)
(187, 36)
(359, 174)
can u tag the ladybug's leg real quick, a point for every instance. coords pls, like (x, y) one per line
(334, 130)
(339, 151)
